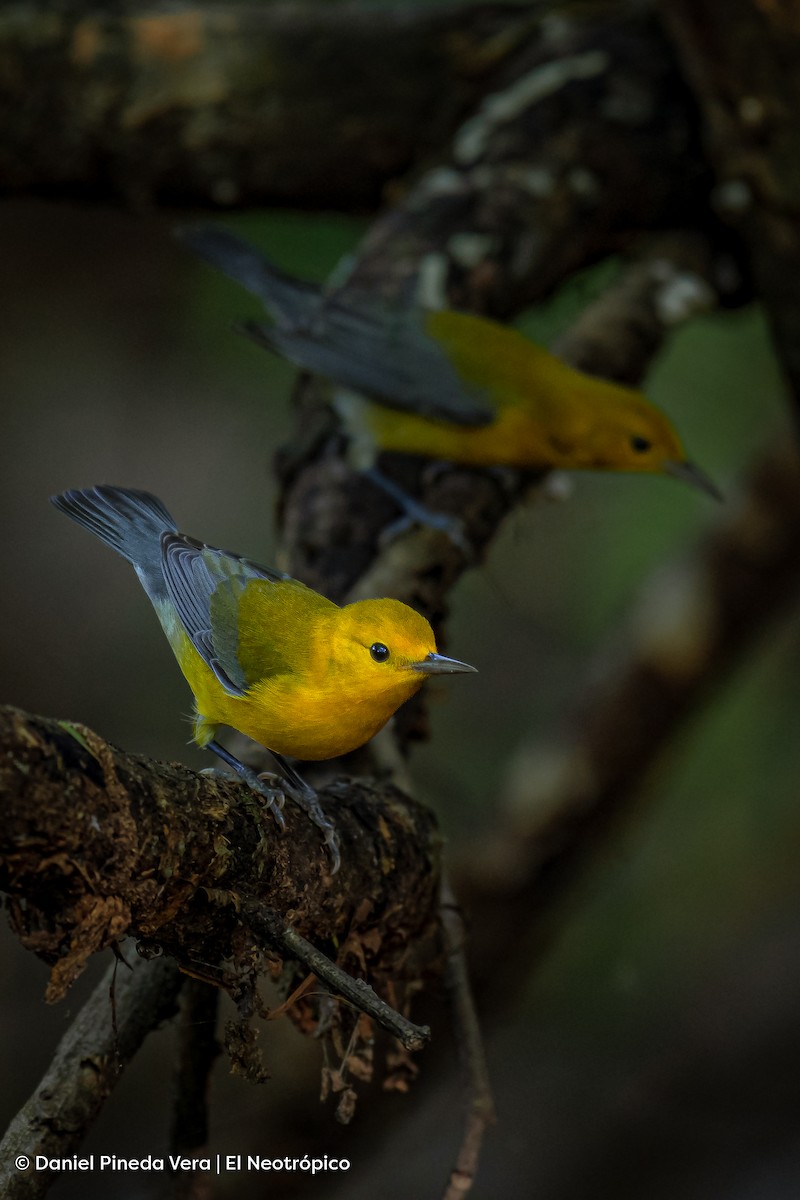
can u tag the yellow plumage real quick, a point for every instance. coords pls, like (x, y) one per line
(261, 652)
(449, 385)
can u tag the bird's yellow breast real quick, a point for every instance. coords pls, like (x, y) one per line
(512, 439)
(320, 722)
(316, 712)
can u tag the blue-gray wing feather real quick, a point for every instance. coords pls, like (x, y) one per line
(194, 574)
(353, 337)
(380, 352)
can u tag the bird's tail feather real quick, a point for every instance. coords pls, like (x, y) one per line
(289, 301)
(129, 521)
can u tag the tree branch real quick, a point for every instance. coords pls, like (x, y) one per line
(241, 103)
(356, 991)
(146, 849)
(480, 1108)
(125, 1006)
(743, 60)
(584, 146)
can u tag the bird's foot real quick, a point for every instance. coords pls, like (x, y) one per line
(274, 788)
(306, 798)
(417, 513)
(452, 527)
(272, 797)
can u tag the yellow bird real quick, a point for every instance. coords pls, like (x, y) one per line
(449, 385)
(263, 653)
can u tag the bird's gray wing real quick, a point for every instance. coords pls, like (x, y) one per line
(381, 352)
(196, 575)
(351, 336)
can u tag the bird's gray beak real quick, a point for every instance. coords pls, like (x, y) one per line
(437, 664)
(689, 473)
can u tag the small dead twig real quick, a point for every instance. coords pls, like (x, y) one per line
(270, 925)
(281, 1010)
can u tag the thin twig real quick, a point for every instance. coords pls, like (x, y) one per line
(84, 1071)
(272, 926)
(480, 1111)
(282, 1009)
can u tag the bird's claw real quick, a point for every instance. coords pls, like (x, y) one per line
(417, 513)
(275, 799)
(451, 527)
(276, 786)
(307, 799)
(273, 796)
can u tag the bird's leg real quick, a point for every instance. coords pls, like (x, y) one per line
(291, 785)
(306, 798)
(273, 796)
(505, 478)
(416, 513)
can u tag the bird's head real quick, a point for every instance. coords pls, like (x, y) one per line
(625, 432)
(388, 648)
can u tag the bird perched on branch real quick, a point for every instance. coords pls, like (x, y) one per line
(263, 653)
(448, 385)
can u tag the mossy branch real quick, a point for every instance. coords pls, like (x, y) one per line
(97, 844)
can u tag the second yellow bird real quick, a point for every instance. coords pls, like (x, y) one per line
(449, 385)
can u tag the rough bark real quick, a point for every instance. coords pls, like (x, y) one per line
(322, 105)
(304, 103)
(743, 60)
(125, 1006)
(97, 844)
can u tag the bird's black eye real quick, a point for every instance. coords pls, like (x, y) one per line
(379, 652)
(640, 445)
